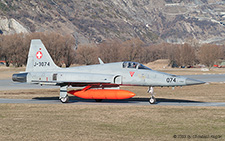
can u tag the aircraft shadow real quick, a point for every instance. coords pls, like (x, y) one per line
(73, 99)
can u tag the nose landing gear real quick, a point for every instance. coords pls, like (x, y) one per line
(152, 99)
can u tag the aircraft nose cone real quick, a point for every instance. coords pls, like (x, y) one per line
(190, 81)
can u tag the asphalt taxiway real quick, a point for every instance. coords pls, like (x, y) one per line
(208, 77)
(9, 85)
(134, 101)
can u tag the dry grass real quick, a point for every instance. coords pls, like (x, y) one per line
(193, 71)
(7, 72)
(158, 64)
(96, 122)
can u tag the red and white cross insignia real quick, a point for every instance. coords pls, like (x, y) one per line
(39, 55)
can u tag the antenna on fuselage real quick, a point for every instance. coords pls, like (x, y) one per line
(100, 61)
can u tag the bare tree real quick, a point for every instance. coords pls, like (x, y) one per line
(187, 55)
(109, 51)
(209, 54)
(182, 55)
(69, 50)
(132, 49)
(14, 49)
(86, 54)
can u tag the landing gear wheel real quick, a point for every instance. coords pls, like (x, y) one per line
(152, 100)
(98, 100)
(65, 99)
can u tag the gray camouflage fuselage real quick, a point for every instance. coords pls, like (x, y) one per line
(112, 73)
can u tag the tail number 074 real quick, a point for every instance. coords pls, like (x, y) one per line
(171, 80)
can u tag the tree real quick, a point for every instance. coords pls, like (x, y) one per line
(131, 50)
(187, 55)
(182, 55)
(209, 54)
(69, 50)
(109, 51)
(86, 54)
(15, 50)
(54, 43)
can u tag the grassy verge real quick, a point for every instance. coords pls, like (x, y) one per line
(96, 122)
(7, 72)
(193, 71)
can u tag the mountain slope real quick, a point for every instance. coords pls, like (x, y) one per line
(175, 21)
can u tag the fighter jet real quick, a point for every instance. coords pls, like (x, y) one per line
(100, 81)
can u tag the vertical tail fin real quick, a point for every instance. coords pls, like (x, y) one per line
(39, 58)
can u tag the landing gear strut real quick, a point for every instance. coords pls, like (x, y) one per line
(152, 99)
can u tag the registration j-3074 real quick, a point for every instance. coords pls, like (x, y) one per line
(41, 64)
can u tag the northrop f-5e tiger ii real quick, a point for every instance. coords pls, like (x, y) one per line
(100, 81)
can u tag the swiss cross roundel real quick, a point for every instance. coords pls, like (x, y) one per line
(39, 55)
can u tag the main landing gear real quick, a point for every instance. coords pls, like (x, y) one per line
(152, 99)
(63, 94)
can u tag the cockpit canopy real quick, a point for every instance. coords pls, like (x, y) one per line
(134, 65)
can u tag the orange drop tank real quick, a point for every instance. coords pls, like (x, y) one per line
(102, 94)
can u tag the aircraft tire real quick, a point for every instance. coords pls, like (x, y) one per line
(152, 100)
(65, 99)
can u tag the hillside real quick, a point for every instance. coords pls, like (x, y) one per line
(174, 21)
